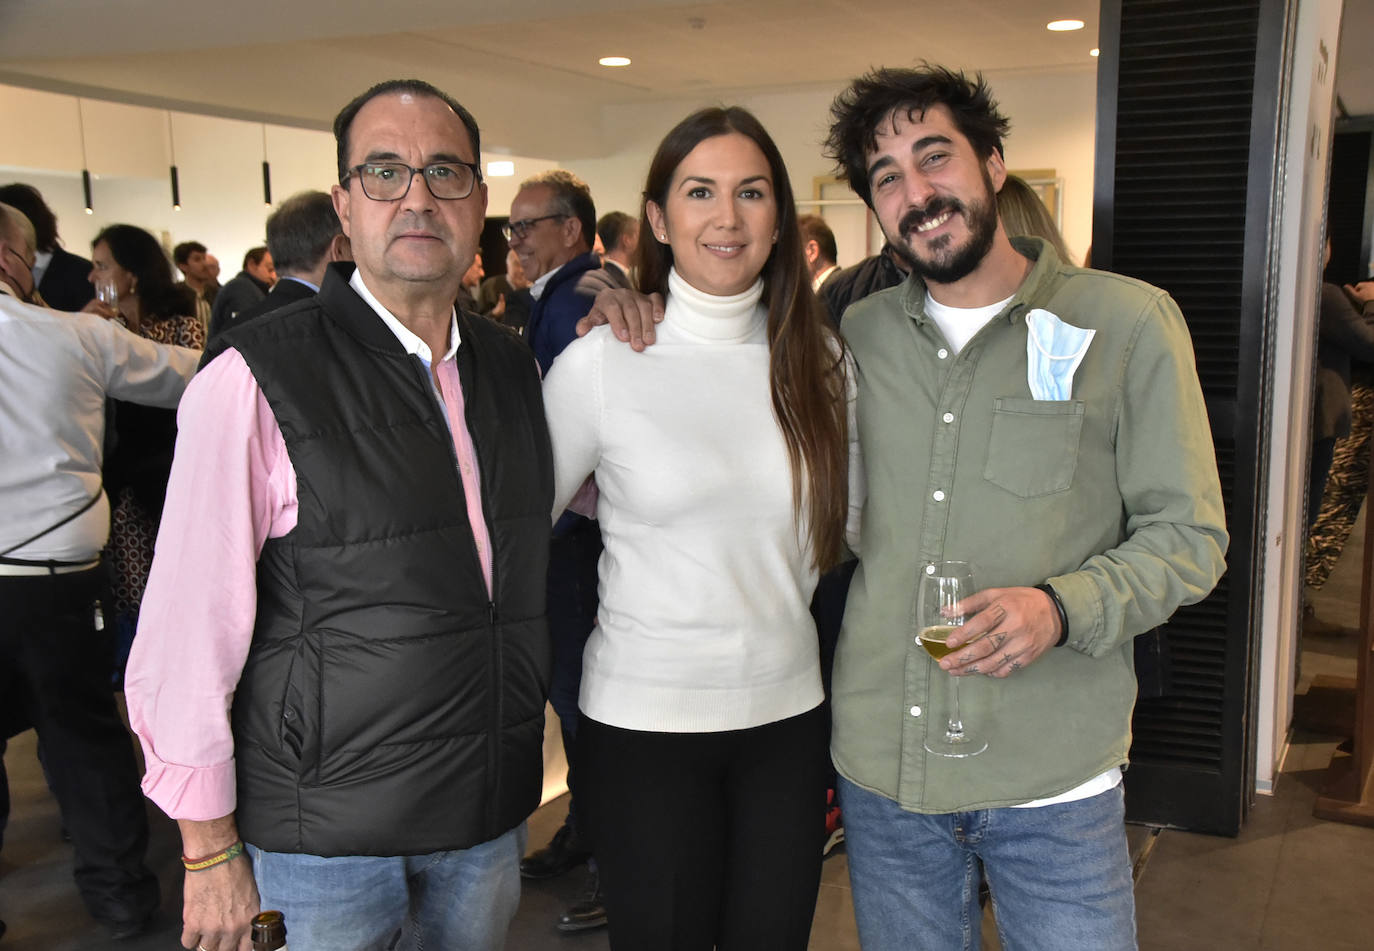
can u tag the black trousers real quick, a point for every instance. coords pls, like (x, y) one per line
(708, 840)
(49, 643)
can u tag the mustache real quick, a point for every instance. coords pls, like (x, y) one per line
(916, 217)
(409, 223)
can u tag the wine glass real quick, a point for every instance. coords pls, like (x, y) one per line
(106, 292)
(939, 610)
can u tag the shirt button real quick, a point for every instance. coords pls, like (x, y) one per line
(948, 417)
(938, 495)
(942, 353)
(930, 569)
(915, 711)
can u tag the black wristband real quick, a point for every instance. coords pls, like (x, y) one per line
(1063, 615)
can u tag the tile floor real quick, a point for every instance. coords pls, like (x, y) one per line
(1288, 882)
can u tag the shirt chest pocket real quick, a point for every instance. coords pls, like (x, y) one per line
(1033, 449)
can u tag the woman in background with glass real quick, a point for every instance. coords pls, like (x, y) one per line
(135, 286)
(723, 457)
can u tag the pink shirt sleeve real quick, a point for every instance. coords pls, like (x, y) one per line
(232, 487)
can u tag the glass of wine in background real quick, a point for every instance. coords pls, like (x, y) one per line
(106, 292)
(939, 610)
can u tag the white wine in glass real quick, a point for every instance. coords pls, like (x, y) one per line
(939, 610)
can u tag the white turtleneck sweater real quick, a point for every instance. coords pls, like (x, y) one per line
(706, 577)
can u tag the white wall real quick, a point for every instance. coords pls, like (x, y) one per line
(1053, 117)
(1305, 168)
(219, 169)
(219, 160)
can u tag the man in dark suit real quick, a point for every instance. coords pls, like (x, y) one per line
(472, 281)
(61, 275)
(192, 260)
(303, 238)
(818, 245)
(244, 289)
(552, 224)
(619, 235)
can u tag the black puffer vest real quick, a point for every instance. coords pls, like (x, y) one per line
(388, 706)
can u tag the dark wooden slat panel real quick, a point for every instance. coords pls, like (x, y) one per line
(1179, 201)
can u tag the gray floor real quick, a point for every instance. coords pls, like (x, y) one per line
(1288, 882)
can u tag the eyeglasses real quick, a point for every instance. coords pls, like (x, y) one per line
(390, 181)
(521, 229)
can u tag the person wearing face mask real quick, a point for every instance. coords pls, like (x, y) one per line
(723, 460)
(57, 371)
(17, 257)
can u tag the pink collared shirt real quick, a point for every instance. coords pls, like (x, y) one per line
(232, 487)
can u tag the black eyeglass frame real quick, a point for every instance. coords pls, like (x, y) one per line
(412, 171)
(521, 229)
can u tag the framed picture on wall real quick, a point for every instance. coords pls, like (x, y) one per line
(1045, 183)
(857, 234)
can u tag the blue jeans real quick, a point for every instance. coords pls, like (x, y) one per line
(1060, 875)
(461, 900)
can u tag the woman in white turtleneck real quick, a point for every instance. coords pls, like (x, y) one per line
(722, 456)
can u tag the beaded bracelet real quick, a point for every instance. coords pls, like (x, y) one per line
(200, 865)
(1063, 615)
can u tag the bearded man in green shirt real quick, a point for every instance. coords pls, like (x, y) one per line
(991, 435)
(1044, 422)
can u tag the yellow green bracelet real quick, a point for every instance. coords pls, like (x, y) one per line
(219, 858)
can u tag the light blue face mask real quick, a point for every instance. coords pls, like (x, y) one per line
(1054, 350)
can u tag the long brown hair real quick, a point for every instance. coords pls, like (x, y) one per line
(806, 368)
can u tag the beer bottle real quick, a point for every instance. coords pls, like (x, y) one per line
(269, 931)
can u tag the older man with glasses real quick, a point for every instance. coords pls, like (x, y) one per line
(343, 660)
(551, 230)
(552, 226)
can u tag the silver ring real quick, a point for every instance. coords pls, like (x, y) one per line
(201, 947)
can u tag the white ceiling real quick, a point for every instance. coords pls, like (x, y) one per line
(527, 68)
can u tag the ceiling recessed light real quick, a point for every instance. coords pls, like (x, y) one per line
(1094, 52)
(1064, 26)
(614, 61)
(500, 169)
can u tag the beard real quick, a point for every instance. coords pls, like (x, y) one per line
(949, 264)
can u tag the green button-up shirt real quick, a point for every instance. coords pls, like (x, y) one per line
(1112, 496)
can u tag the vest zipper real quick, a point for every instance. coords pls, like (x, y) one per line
(495, 692)
(497, 673)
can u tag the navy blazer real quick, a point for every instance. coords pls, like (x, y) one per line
(566, 299)
(286, 291)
